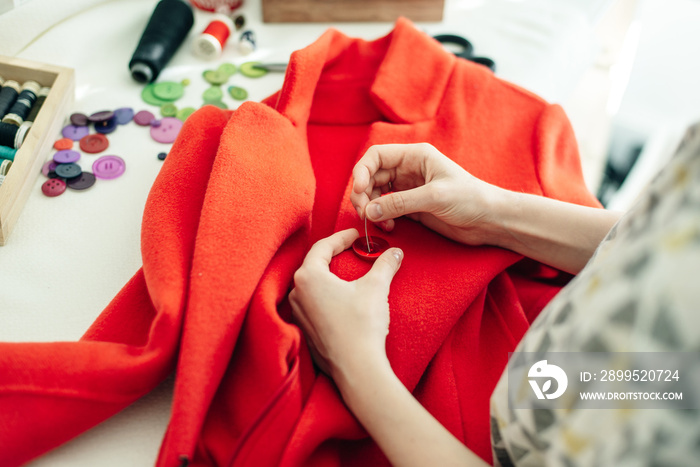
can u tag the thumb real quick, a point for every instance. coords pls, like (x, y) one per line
(385, 267)
(398, 204)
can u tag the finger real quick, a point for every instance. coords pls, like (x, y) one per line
(385, 267)
(324, 250)
(399, 203)
(359, 198)
(387, 156)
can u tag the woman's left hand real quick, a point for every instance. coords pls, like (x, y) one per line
(345, 323)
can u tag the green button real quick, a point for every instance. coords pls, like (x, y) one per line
(214, 93)
(150, 98)
(251, 71)
(238, 93)
(219, 104)
(182, 114)
(227, 68)
(169, 90)
(168, 110)
(215, 77)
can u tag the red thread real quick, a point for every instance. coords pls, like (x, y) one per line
(219, 30)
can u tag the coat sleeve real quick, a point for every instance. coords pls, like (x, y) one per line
(557, 160)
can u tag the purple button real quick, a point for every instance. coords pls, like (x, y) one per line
(79, 119)
(144, 118)
(82, 182)
(167, 131)
(66, 156)
(108, 167)
(124, 115)
(75, 132)
(49, 166)
(102, 116)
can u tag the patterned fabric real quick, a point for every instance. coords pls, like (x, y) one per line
(639, 293)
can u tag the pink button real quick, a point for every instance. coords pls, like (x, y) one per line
(49, 166)
(144, 118)
(167, 131)
(108, 167)
(53, 187)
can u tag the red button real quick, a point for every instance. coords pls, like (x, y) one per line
(94, 143)
(53, 187)
(63, 143)
(377, 246)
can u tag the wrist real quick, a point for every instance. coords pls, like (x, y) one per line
(359, 374)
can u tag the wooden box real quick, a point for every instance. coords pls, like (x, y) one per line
(40, 138)
(331, 11)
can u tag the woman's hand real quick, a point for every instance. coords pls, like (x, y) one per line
(345, 323)
(425, 186)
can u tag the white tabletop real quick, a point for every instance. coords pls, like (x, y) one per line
(68, 256)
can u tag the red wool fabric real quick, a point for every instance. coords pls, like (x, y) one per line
(236, 206)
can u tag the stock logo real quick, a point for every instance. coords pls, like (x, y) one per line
(541, 371)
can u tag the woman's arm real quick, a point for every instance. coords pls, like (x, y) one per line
(346, 324)
(428, 187)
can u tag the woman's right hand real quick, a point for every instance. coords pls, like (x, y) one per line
(420, 182)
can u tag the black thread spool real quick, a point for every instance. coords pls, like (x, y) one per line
(8, 96)
(166, 30)
(41, 97)
(24, 103)
(8, 134)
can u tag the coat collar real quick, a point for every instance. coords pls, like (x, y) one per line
(407, 71)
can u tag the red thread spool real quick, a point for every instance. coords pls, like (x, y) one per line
(210, 43)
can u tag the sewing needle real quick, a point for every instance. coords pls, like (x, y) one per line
(369, 249)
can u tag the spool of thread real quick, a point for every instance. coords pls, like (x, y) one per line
(41, 97)
(7, 153)
(24, 103)
(4, 168)
(166, 30)
(246, 43)
(8, 96)
(211, 42)
(11, 135)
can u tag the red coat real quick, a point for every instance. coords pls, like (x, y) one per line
(229, 219)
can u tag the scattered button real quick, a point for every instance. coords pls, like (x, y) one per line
(53, 187)
(183, 114)
(377, 246)
(66, 156)
(75, 132)
(49, 166)
(68, 170)
(109, 167)
(63, 143)
(156, 123)
(251, 71)
(168, 130)
(101, 116)
(215, 77)
(106, 127)
(94, 143)
(168, 110)
(144, 118)
(79, 119)
(227, 68)
(220, 104)
(150, 98)
(168, 90)
(124, 115)
(162, 156)
(82, 182)
(238, 93)
(213, 93)
(186, 82)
